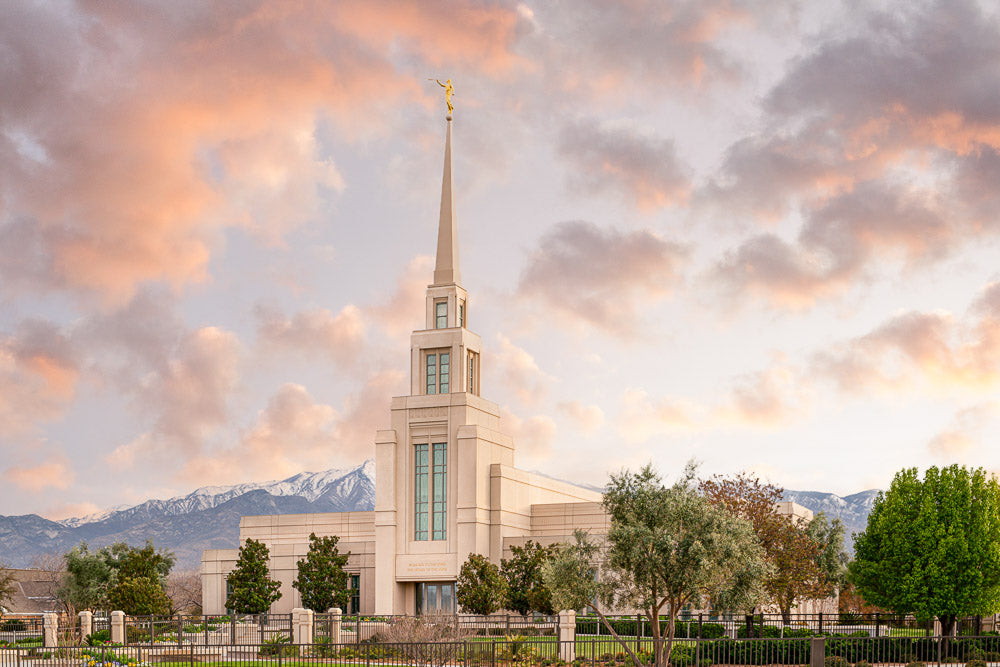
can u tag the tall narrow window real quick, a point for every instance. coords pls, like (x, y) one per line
(440, 314)
(420, 492)
(432, 386)
(461, 313)
(439, 486)
(473, 363)
(437, 371)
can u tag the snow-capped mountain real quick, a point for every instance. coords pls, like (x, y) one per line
(207, 518)
(852, 510)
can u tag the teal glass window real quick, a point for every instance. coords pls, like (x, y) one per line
(439, 507)
(420, 492)
(431, 373)
(441, 315)
(445, 372)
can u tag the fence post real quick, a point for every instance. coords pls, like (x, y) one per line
(878, 623)
(566, 635)
(817, 652)
(302, 626)
(50, 630)
(86, 623)
(117, 627)
(335, 621)
(821, 621)
(699, 624)
(180, 630)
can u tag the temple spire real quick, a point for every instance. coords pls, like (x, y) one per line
(446, 269)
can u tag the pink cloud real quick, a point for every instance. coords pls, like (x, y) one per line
(597, 276)
(340, 337)
(39, 372)
(645, 171)
(53, 473)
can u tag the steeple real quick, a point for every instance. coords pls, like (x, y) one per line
(446, 269)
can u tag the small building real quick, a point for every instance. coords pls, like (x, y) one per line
(34, 593)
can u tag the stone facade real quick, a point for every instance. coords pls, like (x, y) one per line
(446, 485)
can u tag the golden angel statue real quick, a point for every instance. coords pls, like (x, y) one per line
(448, 92)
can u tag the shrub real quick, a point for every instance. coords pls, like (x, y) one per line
(976, 663)
(836, 661)
(279, 646)
(862, 663)
(97, 638)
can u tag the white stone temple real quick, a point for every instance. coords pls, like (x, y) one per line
(446, 485)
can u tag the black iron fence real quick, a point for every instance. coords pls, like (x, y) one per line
(537, 651)
(775, 626)
(21, 630)
(232, 629)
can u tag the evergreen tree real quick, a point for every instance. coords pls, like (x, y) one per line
(480, 589)
(526, 590)
(139, 596)
(322, 581)
(252, 591)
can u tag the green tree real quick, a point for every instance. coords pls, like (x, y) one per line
(480, 589)
(804, 558)
(526, 590)
(252, 589)
(932, 546)
(667, 547)
(88, 578)
(143, 563)
(322, 581)
(138, 596)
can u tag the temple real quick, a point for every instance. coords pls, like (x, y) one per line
(445, 481)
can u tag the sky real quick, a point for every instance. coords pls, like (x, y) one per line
(758, 234)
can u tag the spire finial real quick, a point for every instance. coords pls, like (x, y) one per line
(446, 267)
(449, 90)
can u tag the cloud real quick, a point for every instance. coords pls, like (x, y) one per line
(643, 417)
(188, 399)
(645, 171)
(839, 240)
(964, 436)
(520, 373)
(533, 436)
(294, 432)
(597, 275)
(134, 135)
(766, 398)
(396, 315)
(340, 337)
(882, 139)
(935, 349)
(39, 372)
(54, 473)
(600, 49)
(588, 418)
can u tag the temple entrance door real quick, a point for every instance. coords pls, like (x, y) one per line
(436, 597)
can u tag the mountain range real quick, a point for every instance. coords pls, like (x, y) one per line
(209, 517)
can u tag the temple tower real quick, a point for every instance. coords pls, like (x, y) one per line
(433, 502)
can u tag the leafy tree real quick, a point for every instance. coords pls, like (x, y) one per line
(831, 557)
(138, 596)
(480, 589)
(252, 589)
(88, 578)
(322, 581)
(667, 547)
(806, 559)
(526, 590)
(932, 546)
(8, 586)
(146, 562)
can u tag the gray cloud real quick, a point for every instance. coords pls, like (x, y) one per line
(596, 275)
(645, 171)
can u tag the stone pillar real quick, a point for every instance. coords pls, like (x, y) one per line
(86, 623)
(302, 626)
(817, 652)
(335, 620)
(50, 630)
(117, 627)
(566, 635)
